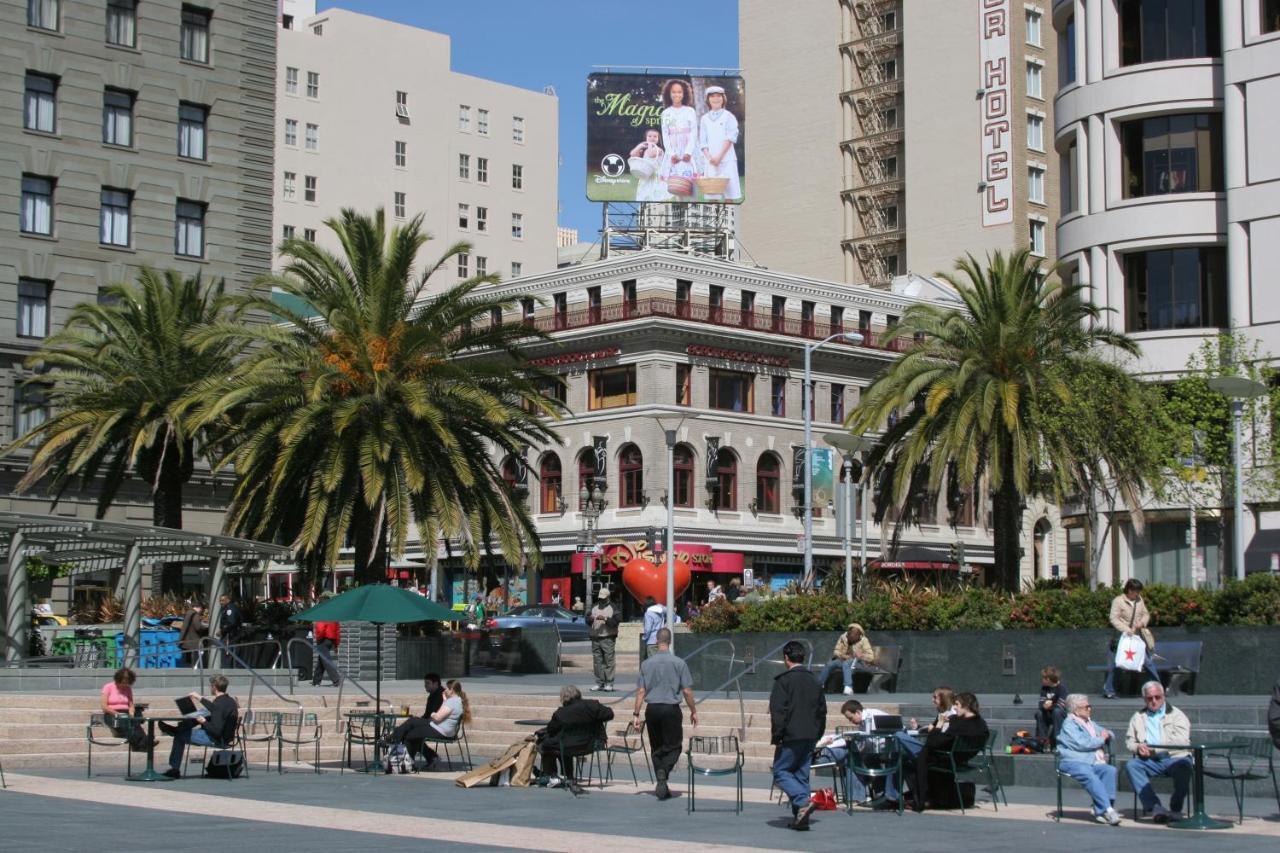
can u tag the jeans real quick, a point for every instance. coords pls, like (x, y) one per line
(791, 760)
(1141, 770)
(910, 747)
(855, 788)
(665, 727)
(1098, 780)
(188, 733)
(602, 658)
(845, 666)
(1049, 723)
(324, 663)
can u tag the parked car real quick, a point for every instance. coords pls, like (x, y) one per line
(571, 626)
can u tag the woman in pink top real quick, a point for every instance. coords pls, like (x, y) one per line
(119, 711)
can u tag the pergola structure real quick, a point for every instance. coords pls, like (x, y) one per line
(96, 545)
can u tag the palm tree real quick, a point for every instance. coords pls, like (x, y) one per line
(972, 391)
(116, 377)
(372, 408)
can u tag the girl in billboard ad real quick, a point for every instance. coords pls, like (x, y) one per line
(679, 139)
(718, 134)
(646, 162)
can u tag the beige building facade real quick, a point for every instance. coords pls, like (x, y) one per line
(370, 114)
(893, 137)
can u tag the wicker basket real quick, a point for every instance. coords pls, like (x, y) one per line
(679, 186)
(643, 167)
(713, 185)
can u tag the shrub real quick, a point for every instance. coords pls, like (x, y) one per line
(719, 618)
(1253, 601)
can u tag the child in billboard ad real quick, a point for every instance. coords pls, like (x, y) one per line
(717, 135)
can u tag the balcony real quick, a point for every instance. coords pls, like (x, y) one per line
(706, 314)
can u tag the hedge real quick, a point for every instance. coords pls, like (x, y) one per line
(908, 607)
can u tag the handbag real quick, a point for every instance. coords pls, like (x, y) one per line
(225, 764)
(1131, 653)
(824, 800)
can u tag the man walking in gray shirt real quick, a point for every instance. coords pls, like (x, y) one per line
(664, 678)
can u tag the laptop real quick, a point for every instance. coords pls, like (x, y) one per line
(884, 723)
(186, 705)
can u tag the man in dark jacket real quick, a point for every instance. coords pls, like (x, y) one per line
(194, 629)
(576, 725)
(797, 718)
(1273, 714)
(215, 726)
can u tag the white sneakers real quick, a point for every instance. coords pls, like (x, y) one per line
(848, 691)
(1110, 817)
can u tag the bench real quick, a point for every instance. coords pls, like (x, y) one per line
(877, 678)
(1177, 661)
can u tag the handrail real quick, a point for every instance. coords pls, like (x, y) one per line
(206, 641)
(733, 658)
(736, 681)
(223, 648)
(342, 682)
(134, 658)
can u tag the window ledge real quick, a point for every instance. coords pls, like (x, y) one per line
(36, 235)
(195, 161)
(123, 47)
(47, 134)
(1165, 198)
(191, 259)
(46, 32)
(195, 63)
(111, 247)
(115, 146)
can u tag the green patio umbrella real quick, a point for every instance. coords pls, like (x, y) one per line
(382, 605)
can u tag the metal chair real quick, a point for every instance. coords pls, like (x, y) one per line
(1244, 762)
(362, 730)
(2, 782)
(99, 721)
(260, 727)
(980, 764)
(289, 730)
(705, 747)
(1059, 775)
(231, 743)
(581, 745)
(459, 740)
(871, 757)
(628, 749)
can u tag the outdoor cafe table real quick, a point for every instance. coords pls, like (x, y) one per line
(1199, 818)
(378, 719)
(150, 774)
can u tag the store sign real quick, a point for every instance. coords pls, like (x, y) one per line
(996, 111)
(616, 553)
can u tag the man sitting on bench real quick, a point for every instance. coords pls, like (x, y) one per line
(852, 648)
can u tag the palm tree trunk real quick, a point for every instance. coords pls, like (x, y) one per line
(1007, 510)
(369, 536)
(166, 510)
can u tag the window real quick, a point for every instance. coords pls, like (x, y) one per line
(30, 408)
(517, 176)
(464, 262)
(289, 183)
(1033, 27)
(291, 131)
(39, 103)
(192, 120)
(778, 396)
(122, 22)
(891, 264)
(114, 217)
(837, 403)
(402, 104)
(1036, 237)
(516, 269)
(889, 69)
(684, 295)
(1035, 184)
(464, 216)
(517, 129)
(287, 232)
(889, 217)
(309, 234)
(726, 496)
(1035, 132)
(313, 137)
(682, 465)
(482, 268)
(399, 205)
(889, 21)
(731, 391)
(889, 119)
(629, 301)
(837, 320)
(864, 324)
(631, 476)
(194, 36)
(768, 476)
(889, 168)
(806, 314)
(117, 117)
(1159, 30)
(517, 226)
(778, 314)
(402, 153)
(482, 170)
(561, 311)
(313, 84)
(189, 229)
(1172, 154)
(464, 118)
(291, 80)
(528, 310)
(482, 122)
(550, 478)
(1035, 79)
(1175, 289)
(611, 387)
(715, 312)
(43, 14)
(464, 166)
(586, 471)
(1067, 51)
(593, 304)
(1067, 170)
(318, 29)
(684, 385)
(33, 308)
(1270, 16)
(309, 188)
(747, 305)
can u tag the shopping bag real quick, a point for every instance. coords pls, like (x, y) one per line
(1131, 653)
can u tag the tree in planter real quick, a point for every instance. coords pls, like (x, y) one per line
(376, 408)
(970, 390)
(115, 379)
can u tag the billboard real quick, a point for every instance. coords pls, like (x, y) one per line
(666, 138)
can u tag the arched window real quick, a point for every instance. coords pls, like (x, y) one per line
(586, 471)
(631, 476)
(683, 463)
(768, 476)
(726, 480)
(549, 476)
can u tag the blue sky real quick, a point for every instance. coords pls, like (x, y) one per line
(556, 42)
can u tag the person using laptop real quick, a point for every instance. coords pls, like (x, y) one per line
(213, 725)
(835, 747)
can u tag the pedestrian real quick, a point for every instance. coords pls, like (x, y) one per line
(1129, 615)
(714, 592)
(604, 637)
(734, 591)
(230, 623)
(664, 678)
(578, 606)
(655, 616)
(328, 635)
(797, 718)
(556, 598)
(194, 630)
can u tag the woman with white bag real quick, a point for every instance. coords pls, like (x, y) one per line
(1129, 616)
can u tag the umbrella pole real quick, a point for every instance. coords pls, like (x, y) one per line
(377, 711)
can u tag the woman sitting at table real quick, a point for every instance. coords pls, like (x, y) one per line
(966, 723)
(442, 724)
(119, 711)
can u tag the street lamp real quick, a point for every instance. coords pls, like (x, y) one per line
(848, 337)
(591, 503)
(849, 445)
(1238, 389)
(670, 550)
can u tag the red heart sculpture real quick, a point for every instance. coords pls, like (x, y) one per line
(643, 579)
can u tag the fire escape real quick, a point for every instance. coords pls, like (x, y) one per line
(872, 102)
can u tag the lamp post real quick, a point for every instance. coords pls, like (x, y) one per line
(1238, 389)
(849, 337)
(849, 445)
(591, 502)
(669, 549)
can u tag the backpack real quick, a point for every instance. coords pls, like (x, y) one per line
(1024, 743)
(397, 759)
(225, 764)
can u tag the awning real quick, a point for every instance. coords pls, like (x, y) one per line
(1263, 553)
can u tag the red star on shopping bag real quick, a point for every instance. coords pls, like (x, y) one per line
(1128, 655)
